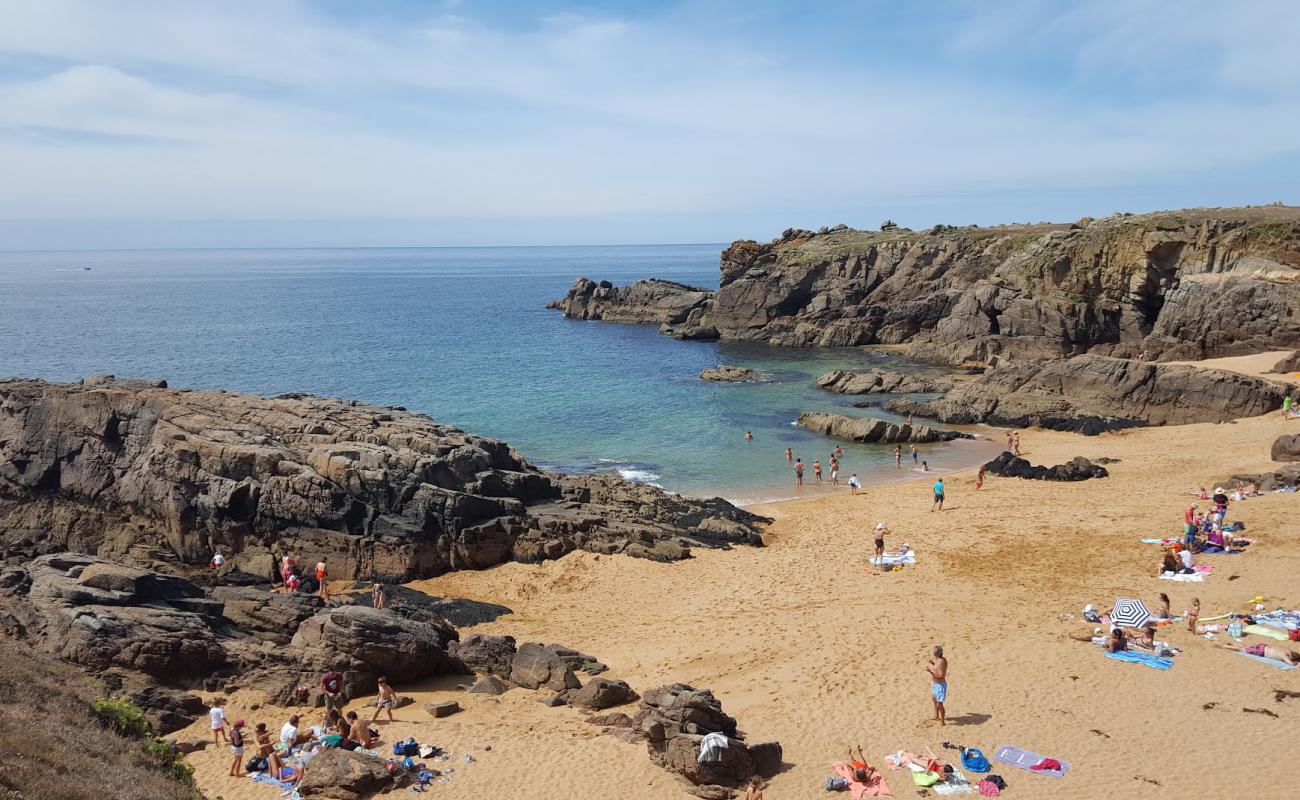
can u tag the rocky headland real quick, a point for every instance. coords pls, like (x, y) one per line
(148, 475)
(1090, 394)
(1187, 284)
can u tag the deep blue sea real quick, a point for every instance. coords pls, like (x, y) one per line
(460, 333)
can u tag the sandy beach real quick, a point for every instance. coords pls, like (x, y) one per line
(804, 647)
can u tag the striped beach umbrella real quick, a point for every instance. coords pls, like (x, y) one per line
(1129, 613)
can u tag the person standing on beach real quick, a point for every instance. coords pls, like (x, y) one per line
(835, 471)
(854, 484)
(881, 530)
(386, 701)
(979, 478)
(938, 669)
(1286, 406)
(217, 715)
(817, 471)
(789, 454)
(1016, 443)
(237, 749)
(915, 455)
(331, 683)
(1010, 443)
(938, 495)
(898, 456)
(377, 596)
(798, 472)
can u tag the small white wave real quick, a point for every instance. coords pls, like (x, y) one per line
(639, 475)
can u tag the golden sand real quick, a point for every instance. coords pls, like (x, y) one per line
(804, 647)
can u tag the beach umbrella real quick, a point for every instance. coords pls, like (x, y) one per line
(1130, 613)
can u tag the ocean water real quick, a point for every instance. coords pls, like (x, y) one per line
(462, 334)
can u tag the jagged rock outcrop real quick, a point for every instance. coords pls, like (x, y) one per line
(337, 774)
(674, 719)
(1078, 468)
(1177, 285)
(550, 666)
(1286, 448)
(1288, 364)
(270, 616)
(152, 475)
(650, 301)
(365, 643)
(873, 429)
(484, 653)
(726, 373)
(1092, 393)
(881, 381)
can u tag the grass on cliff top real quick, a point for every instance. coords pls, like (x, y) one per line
(53, 745)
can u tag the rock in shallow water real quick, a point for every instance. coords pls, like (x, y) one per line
(872, 429)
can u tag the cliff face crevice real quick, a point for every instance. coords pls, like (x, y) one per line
(154, 475)
(1185, 284)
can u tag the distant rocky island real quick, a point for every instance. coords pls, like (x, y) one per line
(1187, 284)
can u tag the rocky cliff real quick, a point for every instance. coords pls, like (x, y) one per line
(1092, 393)
(1180, 284)
(141, 473)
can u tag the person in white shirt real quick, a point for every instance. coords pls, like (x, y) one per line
(217, 715)
(289, 733)
(217, 561)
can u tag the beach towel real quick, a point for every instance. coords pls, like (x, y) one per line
(895, 560)
(711, 747)
(1023, 759)
(1262, 630)
(1272, 662)
(1157, 541)
(876, 787)
(1194, 577)
(1146, 659)
(956, 784)
(1279, 619)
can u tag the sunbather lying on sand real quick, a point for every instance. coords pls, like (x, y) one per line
(1141, 637)
(862, 771)
(1273, 651)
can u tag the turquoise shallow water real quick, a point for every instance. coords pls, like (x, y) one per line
(460, 333)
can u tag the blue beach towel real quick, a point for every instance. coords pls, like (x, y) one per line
(1145, 659)
(1272, 662)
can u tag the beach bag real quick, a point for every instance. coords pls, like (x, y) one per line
(257, 764)
(973, 760)
(331, 740)
(837, 785)
(1234, 629)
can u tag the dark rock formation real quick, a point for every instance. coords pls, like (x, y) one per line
(485, 654)
(489, 684)
(872, 429)
(602, 693)
(337, 774)
(1092, 393)
(1076, 469)
(414, 604)
(272, 616)
(549, 666)
(726, 373)
(650, 301)
(155, 475)
(881, 381)
(1182, 284)
(1285, 475)
(364, 643)
(674, 719)
(1286, 448)
(1289, 364)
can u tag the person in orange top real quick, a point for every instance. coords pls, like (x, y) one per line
(321, 578)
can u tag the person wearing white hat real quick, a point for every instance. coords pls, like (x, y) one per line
(881, 530)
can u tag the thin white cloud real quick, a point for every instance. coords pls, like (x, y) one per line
(271, 110)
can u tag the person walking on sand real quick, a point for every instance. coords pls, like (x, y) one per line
(1010, 443)
(854, 483)
(979, 478)
(817, 471)
(386, 701)
(321, 578)
(798, 472)
(938, 669)
(789, 454)
(938, 495)
(898, 456)
(878, 563)
(237, 749)
(217, 716)
(916, 455)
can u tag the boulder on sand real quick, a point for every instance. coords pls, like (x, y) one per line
(365, 643)
(602, 693)
(1077, 469)
(484, 653)
(337, 774)
(545, 666)
(1286, 448)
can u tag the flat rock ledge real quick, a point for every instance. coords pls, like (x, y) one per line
(875, 430)
(881, 381)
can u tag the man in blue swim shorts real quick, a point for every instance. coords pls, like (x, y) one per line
(938, 669)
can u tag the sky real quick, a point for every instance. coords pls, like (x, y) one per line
(281, 123)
